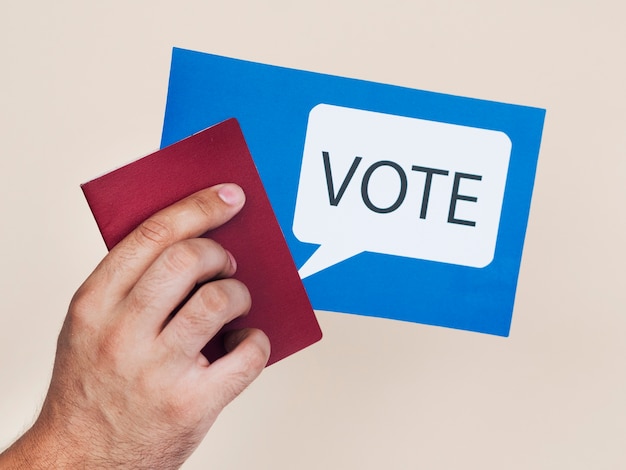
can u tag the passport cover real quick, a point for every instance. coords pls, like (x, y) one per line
(123, 198)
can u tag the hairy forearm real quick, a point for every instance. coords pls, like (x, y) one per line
(34, 450)
(52, 443)
(42, 451)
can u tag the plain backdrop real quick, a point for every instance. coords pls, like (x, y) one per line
(82, 90)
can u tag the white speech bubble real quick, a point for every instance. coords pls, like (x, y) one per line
(398, 186)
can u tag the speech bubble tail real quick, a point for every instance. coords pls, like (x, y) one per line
(325, 257)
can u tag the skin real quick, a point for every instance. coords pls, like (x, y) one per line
(130, 388)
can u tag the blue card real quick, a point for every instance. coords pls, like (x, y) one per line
(395, 202)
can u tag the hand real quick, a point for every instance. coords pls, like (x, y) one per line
(130, 388)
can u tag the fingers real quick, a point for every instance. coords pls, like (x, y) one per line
(204, 314)
(249, 351)
(188, 218)
(172, 276)
(156, 267)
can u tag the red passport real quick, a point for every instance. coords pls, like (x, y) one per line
(122, 199)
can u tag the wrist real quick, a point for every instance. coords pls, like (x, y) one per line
(33, 450)
(43, 446)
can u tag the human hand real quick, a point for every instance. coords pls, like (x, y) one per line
(130, 388)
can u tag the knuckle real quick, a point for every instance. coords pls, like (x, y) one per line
(225, 297)
(180, 257)
(80, 303)
(179, 408)
(154, 230)
(254, 359)
(110, 347)
(81, 307)
(210, 307)
(216, 298)
(203, 204)
(138, 300)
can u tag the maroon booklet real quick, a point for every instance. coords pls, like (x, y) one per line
(123, 198)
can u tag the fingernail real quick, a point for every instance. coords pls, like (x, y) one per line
(231, 194)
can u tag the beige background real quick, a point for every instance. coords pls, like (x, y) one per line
(82, 90)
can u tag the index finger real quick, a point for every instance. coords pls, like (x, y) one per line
(189, 218)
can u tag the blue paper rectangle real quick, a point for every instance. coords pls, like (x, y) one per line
(430, 224)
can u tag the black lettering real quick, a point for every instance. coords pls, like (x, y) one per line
(429, 179)
(456, 197)
(332, 197)
(365, 184)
